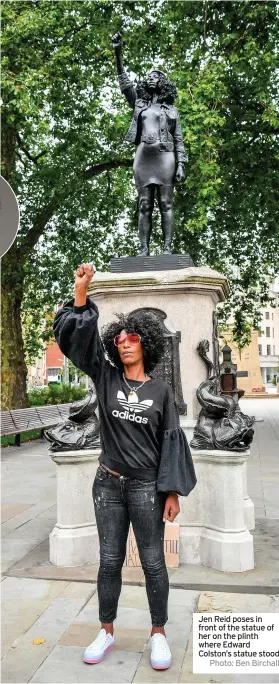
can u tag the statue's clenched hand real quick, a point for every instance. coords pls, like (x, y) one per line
(117, 42)
(179, 172)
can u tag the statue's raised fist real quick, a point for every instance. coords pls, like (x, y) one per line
(117, 42)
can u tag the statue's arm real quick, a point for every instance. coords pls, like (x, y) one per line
(126, 86)
(178, 143)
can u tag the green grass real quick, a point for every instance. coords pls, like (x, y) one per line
(24, 437)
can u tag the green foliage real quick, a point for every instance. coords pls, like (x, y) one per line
(73, 370)
(63, 151)
(56, 394)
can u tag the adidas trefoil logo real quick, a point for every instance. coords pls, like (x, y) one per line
(132, 406)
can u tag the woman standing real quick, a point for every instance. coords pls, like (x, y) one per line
(160, 157)
(145, 461)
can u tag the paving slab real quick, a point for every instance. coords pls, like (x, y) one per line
(20, 665)
(17, 618)
(49, 625)
(39, 509)
(65, 665)
(127, 617)
(29, 589)
(82, 633)
(145, 672)
(10, 510)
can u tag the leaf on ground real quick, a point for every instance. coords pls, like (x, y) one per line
(37, 642)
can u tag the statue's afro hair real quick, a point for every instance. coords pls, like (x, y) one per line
(166, 89)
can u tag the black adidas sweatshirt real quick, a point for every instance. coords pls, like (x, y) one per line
(140, 438)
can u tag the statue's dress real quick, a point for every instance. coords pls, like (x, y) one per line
(152, 164)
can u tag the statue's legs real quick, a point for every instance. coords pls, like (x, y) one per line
(146, 206)
(165, 194)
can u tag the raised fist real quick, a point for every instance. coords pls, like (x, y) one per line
(117, 42)
(84, 275)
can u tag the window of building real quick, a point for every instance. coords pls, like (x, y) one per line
(274, 350)
(272, 315)
(267, 315)
(267, 332)
(273, 332)
(268, 349)
(52, 372)
(260, 350)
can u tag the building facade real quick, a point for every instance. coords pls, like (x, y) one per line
(246, 360)
(261, 357)
(47, 368)
(268, 341)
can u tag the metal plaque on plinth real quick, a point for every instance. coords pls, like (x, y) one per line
(158, 262)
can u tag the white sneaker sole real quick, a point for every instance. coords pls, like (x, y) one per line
(160, 664)
(98, 659)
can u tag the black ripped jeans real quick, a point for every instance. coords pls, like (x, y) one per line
(119, 501)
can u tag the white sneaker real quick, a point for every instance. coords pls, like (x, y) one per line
(160, 652)
(96, 651)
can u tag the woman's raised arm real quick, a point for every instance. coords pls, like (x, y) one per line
(76, 328)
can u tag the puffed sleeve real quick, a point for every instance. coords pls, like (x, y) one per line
(76, 333)
(176, 469)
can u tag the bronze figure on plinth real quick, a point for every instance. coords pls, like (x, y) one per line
(160, 157)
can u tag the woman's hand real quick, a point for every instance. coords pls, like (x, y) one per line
(84, 275)
(180, 172)
(172, 508)
(117, 42)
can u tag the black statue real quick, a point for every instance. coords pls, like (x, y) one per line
(221, 424)
(80, 430)
(160, 158)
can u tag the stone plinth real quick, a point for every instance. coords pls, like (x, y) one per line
(188, 296)
(249, 508)
(213, 520)
(74, 539)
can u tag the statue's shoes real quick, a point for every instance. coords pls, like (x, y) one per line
(144, 252)
(167, 250)
(160, 658)
(95, 652)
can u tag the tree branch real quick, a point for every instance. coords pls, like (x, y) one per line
(204, 24)
(22, 161)
(38, 227)
(49, 210)
(77, 28)
(27, 154)
(106, 166)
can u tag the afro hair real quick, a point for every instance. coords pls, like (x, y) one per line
(148, 326)
(167, 91)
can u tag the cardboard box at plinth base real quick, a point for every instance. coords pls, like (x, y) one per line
(171, 546)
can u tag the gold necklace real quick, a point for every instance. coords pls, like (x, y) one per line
(133, 390)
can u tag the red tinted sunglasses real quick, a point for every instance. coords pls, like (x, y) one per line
(133, 338)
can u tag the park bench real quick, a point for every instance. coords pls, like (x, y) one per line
(37, 418)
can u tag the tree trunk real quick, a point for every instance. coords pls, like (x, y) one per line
(14, 369)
